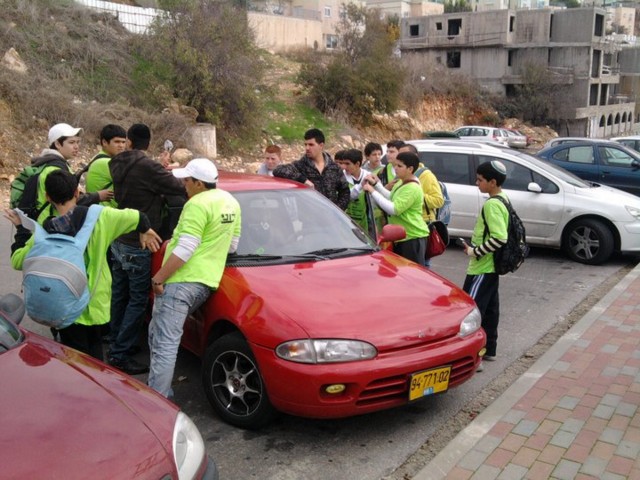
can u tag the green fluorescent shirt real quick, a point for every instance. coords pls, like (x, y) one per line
(498, 219)
(110, 225)
(41, 198)
(213, 216)
(407, 201)
(99, 178)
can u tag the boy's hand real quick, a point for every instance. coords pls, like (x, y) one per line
(390, 185)
(150, 240)
(12, 217)
(105, 195)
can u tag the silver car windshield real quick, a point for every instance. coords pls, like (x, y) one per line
(296, 222)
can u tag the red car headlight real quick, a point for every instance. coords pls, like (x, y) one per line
(325, 350)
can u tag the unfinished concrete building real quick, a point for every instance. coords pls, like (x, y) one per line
(494, 48)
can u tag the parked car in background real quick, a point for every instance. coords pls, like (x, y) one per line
(563, 140)
(601, 161)
(631, 141)
(586, 220)
(300, 324)
(515, 139)
(483, 134)
(66, 415)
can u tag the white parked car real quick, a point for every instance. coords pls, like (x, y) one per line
(632, 141)
(587, 221)
(483, 134)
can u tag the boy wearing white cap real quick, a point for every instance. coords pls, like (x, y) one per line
(64, 144)
(208, 229)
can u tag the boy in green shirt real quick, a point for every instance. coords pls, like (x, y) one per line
(403, 204)
(62, 192)
(208, 229)
(113, 140)
(482, 281)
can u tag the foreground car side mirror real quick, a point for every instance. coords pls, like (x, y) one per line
(12, 308)
(635, 164)
(392, 233)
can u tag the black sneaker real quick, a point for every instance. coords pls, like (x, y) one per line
(130, 366)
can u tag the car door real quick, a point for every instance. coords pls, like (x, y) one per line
(619, 168)
(457, 171)
(578, 159)
(541, 212)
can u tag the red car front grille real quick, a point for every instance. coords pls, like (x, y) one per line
(395, 389)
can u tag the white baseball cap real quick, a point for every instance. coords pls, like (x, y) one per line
(60, 130)
(201, 169)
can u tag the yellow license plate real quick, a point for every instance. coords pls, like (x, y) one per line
(429, 382)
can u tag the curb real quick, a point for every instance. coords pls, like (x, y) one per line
(457, 448)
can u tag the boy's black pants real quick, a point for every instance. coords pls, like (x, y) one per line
(484, 290)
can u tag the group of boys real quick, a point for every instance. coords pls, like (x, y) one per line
(403, 191)
(118, 255)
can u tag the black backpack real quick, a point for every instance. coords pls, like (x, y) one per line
(511, 255)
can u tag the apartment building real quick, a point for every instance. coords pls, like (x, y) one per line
(494, 47)
(406, 8)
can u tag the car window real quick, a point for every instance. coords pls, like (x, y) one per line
(463, 132)
(294, 222)
(546, 184)
(518, 176)
(449, 167)
(615, 157)
(581, 154)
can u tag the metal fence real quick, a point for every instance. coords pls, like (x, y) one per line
(134, 19)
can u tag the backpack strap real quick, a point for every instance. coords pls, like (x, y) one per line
(484, 219)
(83, 235)
(84, 169)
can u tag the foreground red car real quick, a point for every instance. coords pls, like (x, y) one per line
(67, 416)
(313, 319)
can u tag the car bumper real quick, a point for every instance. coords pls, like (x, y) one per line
(211, 472)
(371, 385)
(629, 237)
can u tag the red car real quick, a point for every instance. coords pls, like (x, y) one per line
(66, 415)
(313, 319)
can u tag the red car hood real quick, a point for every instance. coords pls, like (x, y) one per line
(385, 300)
(67, 416)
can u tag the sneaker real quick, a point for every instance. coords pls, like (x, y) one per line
(130, 366)
(489, 358)
(480, 367)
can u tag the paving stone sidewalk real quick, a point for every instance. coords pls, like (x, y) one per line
(573, 415)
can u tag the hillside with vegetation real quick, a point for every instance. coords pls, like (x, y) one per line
(64, 63)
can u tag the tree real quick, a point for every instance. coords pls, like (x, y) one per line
(363, 76)
(453, 6)
(205, 51)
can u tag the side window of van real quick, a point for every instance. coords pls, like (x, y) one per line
(449, 167)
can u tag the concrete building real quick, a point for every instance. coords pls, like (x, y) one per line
(622, 20)
(406, 8)
(485, 5)
(495, 47)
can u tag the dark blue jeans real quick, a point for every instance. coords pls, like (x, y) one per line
(131, 272)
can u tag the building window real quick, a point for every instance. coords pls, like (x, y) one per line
(511, 54)
(438, 25)
(512, 21)
(414, 30)
(454, 27)
(598, 31)
(327, 12)
(453, 59)
(331, 42)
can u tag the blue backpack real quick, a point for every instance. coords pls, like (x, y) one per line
(443, 213)
(55, 276)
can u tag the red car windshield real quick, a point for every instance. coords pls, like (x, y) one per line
(295, 222)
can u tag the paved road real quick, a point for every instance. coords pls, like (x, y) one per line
(533, 299)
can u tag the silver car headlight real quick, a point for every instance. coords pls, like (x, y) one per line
(188, 447)
(635, 212)
(326, 350)
(471, 323)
